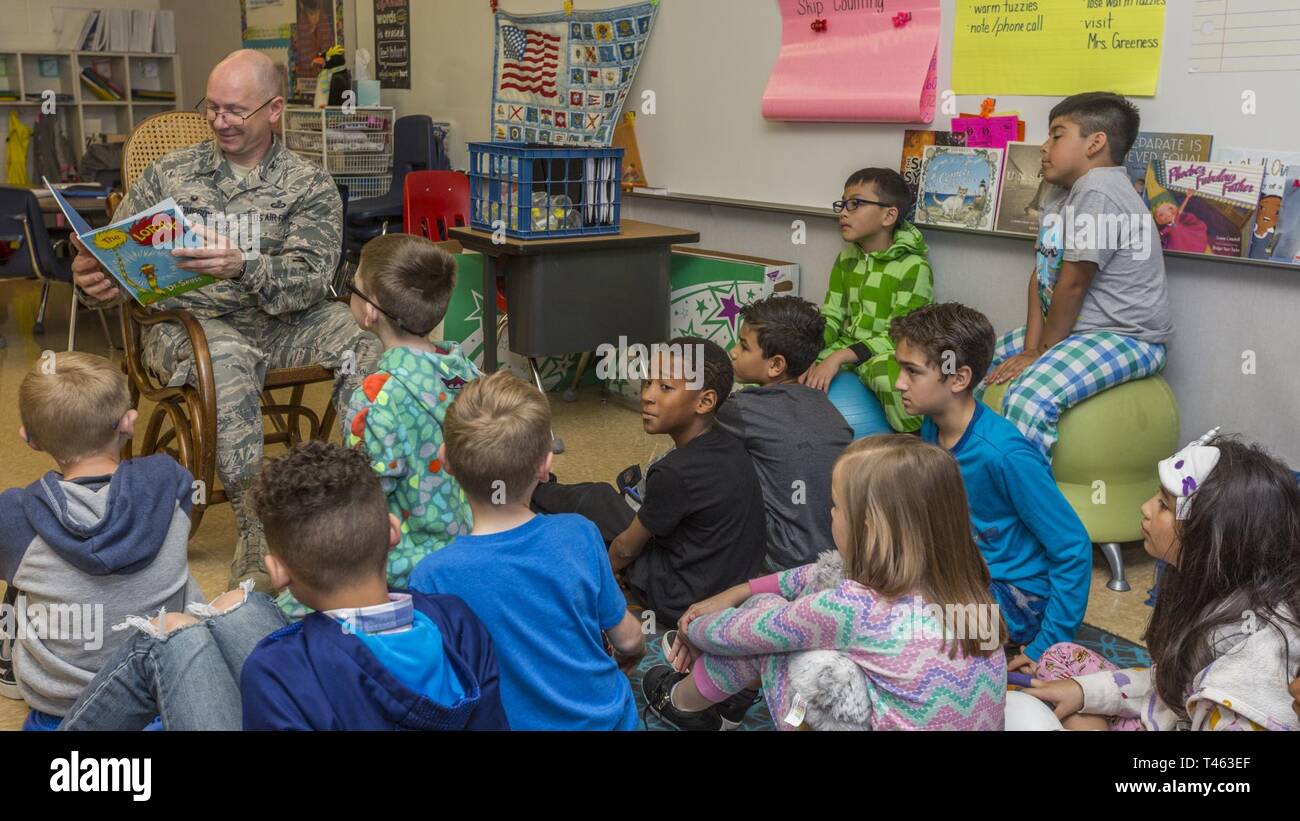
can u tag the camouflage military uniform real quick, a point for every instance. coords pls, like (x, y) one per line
(275, 315)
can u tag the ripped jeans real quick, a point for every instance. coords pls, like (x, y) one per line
(188, 676)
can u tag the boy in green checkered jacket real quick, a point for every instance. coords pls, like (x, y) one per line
(882, 274)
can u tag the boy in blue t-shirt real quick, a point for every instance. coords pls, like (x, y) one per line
(542, 584)
(1037, 550)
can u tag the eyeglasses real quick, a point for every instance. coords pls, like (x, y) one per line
(854, 204)
(210, 111)
(352, 289)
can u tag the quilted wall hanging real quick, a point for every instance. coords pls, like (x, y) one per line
(561, 79)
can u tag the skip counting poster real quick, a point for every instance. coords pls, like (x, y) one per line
(870, 61)
(1036, 47)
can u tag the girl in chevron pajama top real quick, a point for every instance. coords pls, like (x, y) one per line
(899, 555)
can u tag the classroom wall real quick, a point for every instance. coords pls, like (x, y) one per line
(209, 32)
(29, 24)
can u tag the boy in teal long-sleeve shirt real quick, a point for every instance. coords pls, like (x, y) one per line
(882, 274)
(1037, 550)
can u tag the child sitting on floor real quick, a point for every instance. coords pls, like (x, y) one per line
(1224, 638)
(541, 584)
(400, 292)
(1037, 549)
(792, 432)
(367, 658)
(98, 538)
(1098, 302)
(906, 598)
(882, 274)
(702, 525)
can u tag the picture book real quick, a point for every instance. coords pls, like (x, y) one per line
(1022, 187)
(1203, 207)
(1274, 162)
(959, 187)
(1163, 145)
(1285, 239)
(914, 143)
(137, 251)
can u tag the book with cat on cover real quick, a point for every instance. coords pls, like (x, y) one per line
(914, 143)
(1203, 207)
(959, 187)
(137, 251)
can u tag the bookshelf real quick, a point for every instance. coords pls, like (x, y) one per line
(82, 114)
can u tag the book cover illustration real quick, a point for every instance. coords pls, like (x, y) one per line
(914, 143)
(1163, 145)
(1019, 207)
(1203, 207)
(959, 187)
(1286, 234)
(1274, 162)
(137, 251)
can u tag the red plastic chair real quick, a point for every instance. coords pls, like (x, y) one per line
(434, 202)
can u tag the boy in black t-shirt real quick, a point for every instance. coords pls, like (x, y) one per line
(701, 528)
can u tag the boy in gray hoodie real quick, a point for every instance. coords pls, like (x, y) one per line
(87, 545)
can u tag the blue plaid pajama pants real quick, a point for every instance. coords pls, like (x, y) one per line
(1077, 367)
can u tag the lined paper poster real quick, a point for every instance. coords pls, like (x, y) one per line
(1245, 35)
(867, 61)
(1036, 47)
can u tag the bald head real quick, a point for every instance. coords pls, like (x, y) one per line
(246, 88)
(248, 70)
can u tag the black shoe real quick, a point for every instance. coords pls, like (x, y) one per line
(657, 686)
(8, 682)
(732, 711)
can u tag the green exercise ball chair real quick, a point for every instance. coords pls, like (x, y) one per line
(1105, 460)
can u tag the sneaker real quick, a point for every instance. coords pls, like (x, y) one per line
(8, 681)
(732, 711)
(657, 687)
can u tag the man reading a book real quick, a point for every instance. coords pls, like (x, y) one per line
(268, 309)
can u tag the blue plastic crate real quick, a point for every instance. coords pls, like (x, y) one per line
(543, 192)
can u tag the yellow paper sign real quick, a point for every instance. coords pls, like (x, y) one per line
(1058, 47)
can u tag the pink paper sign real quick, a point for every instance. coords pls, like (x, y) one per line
(988, 132)
(855, 61)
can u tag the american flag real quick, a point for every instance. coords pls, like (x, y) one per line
(532, 61)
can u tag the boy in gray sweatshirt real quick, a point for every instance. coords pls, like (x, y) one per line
(87, 545)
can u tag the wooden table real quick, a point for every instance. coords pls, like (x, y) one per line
(571, 294)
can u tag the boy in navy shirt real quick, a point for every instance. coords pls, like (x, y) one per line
(368, 658)
(540, 583)
(1036, 548)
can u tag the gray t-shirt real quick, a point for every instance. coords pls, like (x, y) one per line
(794, 435)
(1102, 219)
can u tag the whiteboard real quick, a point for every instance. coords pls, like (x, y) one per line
(708, 65)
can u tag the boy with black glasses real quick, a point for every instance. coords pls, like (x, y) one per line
(883, 273)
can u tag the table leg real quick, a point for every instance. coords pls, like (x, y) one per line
(489, 314)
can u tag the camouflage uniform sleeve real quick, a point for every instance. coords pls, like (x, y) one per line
(299, 275)
(145, 193)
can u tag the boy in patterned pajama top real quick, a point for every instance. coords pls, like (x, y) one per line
(882, 274)
(400, 293)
